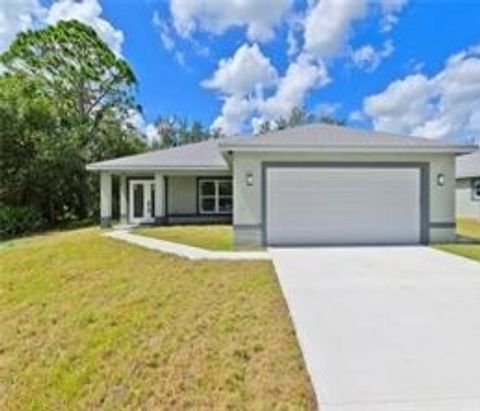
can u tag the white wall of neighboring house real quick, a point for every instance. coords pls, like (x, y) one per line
(467, 206)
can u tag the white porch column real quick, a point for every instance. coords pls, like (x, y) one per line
(123, 199)
(159, 211)
(105, 199)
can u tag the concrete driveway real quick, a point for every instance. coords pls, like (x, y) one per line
(386, 328)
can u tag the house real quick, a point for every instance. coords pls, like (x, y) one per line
(312, 184)
(468, 186)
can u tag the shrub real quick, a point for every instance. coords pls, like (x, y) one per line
(16, 221)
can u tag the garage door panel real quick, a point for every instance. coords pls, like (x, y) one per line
(338, 206)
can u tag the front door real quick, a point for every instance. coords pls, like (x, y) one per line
(142, 197)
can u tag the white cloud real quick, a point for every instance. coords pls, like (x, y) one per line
(235, 112)
(88, 12)
(357, 116)
(444, 105)
(302, 75)
(164, 30)
(328, 22)
(19, 15)
(243, 73)
(368, 58)
(390, 10)
(314, 35)
(259, 17)
(402, 106)
(295, 28)
(137, 120)
(327, 25)
(327, 109)
(243, 79)
(167, 37)
(16, 16)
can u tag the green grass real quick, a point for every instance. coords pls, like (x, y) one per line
(87, 322)
(467, 228)
(210, 237)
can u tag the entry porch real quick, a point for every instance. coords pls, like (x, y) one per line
(165, 198)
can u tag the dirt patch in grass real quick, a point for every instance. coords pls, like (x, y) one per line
(87, 323)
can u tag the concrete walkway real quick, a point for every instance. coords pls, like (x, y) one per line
(192, 253)
(386, 328)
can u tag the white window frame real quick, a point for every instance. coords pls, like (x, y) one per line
(216, 196)
(476, 190)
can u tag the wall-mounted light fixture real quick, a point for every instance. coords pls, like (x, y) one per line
(441, 179)
(249, 179)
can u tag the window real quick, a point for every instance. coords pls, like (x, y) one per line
(476, 190)
(215, 196)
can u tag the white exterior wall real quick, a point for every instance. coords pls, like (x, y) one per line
(105, 199)
(159, 211)
(248, 199)
(182, 195)
(467, 207)
(123, 199)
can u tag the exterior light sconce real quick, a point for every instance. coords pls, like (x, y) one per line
(441, 179)
(249, 179)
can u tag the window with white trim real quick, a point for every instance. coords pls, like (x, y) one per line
(476, 190)
(215, 196)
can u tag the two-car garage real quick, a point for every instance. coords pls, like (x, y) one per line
(320, 184)
(345, 203)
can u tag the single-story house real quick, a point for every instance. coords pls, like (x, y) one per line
(312, 184)
(468, 186)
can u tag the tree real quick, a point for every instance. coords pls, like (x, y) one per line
(64, 98)
(281, 123)
(297, 116)
(166, 133)
(265, 127)
(175, 131)
(332, 121)
(72, 65)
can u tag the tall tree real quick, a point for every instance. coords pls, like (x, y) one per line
(77, 69)
(88, 93)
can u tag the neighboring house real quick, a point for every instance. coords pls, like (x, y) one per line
(468, 186)
(314, 184)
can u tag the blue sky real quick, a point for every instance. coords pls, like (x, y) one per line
(409, 66)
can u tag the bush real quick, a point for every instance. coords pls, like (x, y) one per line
(16, 221)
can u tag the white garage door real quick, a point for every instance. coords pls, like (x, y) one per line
(342, 205)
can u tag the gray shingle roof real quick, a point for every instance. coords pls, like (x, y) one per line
(329, 136)
(207, 155)
(469, 165)
(201, 156)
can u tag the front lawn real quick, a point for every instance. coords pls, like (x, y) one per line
(87, 322)
(210, 237)
(467, 228)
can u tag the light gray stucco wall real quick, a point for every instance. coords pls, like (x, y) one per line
(467, 207)
(182, 192)
(247, 199)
